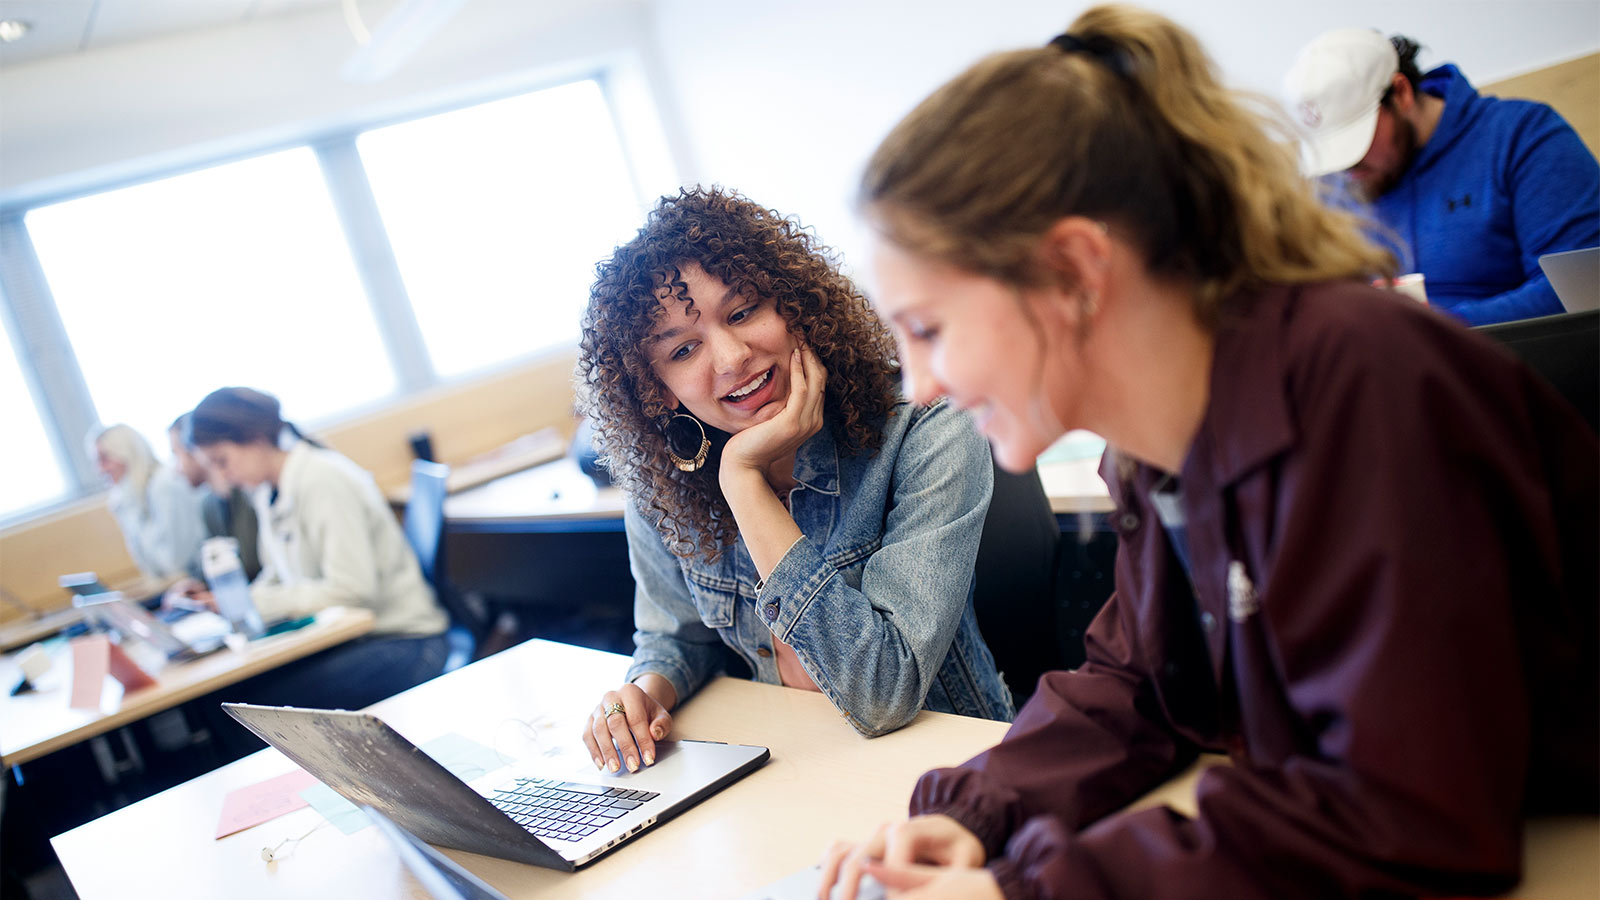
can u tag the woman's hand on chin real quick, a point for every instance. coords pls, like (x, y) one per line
(756, 448)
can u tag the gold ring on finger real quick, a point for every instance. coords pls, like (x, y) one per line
(613, 709)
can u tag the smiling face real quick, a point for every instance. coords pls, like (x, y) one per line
(983, 344)
(721, 355)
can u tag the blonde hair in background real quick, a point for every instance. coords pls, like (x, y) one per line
(1131, 127)
(123, 443)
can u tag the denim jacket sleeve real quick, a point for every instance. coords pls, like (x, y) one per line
(669, 637)
(874, 651)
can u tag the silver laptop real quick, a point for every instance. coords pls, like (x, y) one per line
(133, 622)
(561, 818)
(442, 877)
(1575, 276)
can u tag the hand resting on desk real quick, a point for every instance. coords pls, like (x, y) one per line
(644, 718)
(925, 857)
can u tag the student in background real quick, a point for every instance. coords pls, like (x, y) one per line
(1357, 540)
(226, 510)
(788, 512)
(328, 538)
(1476, 188)
(157, 510)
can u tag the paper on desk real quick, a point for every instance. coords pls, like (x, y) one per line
(258, 803)
(464, 758)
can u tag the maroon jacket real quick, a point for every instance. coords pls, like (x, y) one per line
(1393, 532)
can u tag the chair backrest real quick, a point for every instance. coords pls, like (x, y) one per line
(1014, 581)
(424, 518)
(1565, 349)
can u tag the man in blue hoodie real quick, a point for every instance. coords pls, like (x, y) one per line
(1468, 190)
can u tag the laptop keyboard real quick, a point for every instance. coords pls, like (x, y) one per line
(565, 810)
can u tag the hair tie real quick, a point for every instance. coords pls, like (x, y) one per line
(1101, 49)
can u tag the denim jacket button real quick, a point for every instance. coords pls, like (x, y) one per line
(771, 611)
(763, 652)
(1208, 621)
(1127, 521)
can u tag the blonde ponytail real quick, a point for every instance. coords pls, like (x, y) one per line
(1123, 119)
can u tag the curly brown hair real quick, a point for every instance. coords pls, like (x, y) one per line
(761, 253)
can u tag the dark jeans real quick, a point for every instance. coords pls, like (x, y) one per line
(350, 676)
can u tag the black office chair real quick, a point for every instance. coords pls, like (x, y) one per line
(424, 528)
(1014, 585)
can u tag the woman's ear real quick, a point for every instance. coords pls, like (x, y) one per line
(1077, 251)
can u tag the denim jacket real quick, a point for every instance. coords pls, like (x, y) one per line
(875, 599)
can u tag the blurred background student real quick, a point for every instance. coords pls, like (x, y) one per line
(226, 511)
(156, 508)
(327, 538)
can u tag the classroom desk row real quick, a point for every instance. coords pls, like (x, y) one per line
(556, 496)
(41, 721)
(823, 782)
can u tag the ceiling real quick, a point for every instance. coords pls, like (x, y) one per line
(62, 27)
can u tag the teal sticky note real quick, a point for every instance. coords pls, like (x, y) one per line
(462, 757)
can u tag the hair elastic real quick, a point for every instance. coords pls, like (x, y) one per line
(1102, 49)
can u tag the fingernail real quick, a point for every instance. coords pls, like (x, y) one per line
(633, 764)
(657, 733)
(614, 766)
(598, 764)
(649, 758)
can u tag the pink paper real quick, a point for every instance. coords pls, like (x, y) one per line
(91, 662)
(258, 803)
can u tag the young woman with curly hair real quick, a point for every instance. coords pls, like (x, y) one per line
(788, 513)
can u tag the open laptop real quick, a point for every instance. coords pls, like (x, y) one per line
(1575, 276)
(441, 876)
(561, 818)
(202, 633)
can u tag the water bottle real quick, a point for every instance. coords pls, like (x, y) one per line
(219, 560)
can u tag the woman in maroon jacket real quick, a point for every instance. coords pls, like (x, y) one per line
(1358, 540)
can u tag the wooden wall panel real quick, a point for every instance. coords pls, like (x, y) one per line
(1572, 88)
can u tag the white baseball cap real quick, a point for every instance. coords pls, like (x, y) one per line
(1334, 90)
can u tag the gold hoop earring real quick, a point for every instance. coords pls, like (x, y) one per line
(680, 440)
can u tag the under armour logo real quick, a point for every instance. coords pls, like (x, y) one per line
(1464, 202)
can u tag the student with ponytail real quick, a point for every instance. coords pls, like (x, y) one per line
(1357, 540)
(327, 538)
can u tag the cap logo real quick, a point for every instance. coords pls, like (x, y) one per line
(1310, 114)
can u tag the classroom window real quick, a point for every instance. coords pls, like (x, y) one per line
(232, 275)
(33, 477)
(497, 215)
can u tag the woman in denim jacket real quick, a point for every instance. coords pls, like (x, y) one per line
(788, 514)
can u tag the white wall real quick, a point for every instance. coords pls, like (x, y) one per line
(786, 100)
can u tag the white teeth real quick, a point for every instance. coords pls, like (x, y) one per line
(752, 387)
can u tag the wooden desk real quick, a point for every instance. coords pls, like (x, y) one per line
(26, 632)
(824, 782)
(40, 722)
(558, 497)
(527, 451)
(553, 497)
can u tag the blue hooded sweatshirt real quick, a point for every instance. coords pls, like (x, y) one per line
(1500, 183)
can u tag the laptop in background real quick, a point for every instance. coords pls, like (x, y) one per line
(552, 813)
(440, 875)
(202, 633)
(1575, 276)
